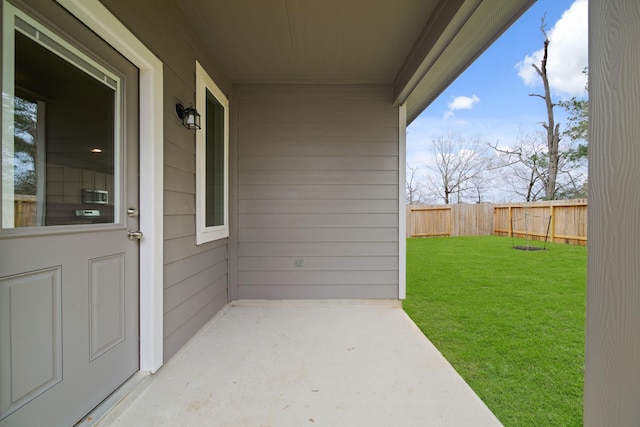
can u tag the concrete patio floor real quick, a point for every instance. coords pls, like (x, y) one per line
(297, 363)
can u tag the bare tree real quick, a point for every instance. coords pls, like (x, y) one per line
(539, 165)
(478, 186)
(572, 179)
(552, 128)
(525, 167)
(458, 166)
(415, 186)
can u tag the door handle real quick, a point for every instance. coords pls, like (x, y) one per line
(134, 235)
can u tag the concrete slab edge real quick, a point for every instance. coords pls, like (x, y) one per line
(382, 303)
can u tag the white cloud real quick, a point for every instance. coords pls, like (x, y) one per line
(460, 103)
(463, 102)
(568, 54)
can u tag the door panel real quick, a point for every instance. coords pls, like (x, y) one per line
(31, 308)
(68, 273)
(107, 288)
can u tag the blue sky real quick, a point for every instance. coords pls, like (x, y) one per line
(491, 101)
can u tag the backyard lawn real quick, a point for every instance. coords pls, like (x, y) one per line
(511, 322)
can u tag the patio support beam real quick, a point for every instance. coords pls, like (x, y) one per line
(402, 202)
(612, 365)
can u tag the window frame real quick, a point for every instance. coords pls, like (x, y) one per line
(204, 233)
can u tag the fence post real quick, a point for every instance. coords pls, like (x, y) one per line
(553, 224)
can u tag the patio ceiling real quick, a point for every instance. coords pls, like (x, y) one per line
(418, 46)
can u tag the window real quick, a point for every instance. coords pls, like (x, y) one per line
(61, 142)
(212, 160)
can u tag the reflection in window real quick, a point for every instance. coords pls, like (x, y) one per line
(64, 108)
(28, 205)
(25, 149)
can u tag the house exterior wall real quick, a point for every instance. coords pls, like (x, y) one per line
(315, 212)
(314, 186)
(195, 276)
(612, 365)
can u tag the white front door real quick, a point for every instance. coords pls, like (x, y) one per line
(68, 271)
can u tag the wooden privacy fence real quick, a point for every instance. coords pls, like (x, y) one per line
(24, 210)
(562, 221)
(450, 220)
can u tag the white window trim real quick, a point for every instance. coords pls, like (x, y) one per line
(98, 18)
(203, 233)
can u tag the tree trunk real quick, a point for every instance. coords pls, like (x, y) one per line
(553, 129)
(530, 186)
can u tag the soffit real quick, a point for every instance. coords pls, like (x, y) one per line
(309, 40)
(417, 46)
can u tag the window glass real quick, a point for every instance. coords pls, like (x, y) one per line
(60, 145)
(215, 156)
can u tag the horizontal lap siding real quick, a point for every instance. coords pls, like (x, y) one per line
(195, 282)
(195, 277)
(317, 192)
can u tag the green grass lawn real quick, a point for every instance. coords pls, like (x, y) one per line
(510, 322)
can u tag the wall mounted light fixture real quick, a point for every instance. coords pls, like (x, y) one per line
(189, 116)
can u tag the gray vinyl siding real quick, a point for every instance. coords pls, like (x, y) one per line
(317, 181)
(195, 276)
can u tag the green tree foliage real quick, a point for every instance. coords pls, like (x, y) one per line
(578, 122)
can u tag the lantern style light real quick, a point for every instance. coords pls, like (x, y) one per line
(189, 116)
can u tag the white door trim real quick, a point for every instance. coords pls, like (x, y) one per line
(93, 14)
